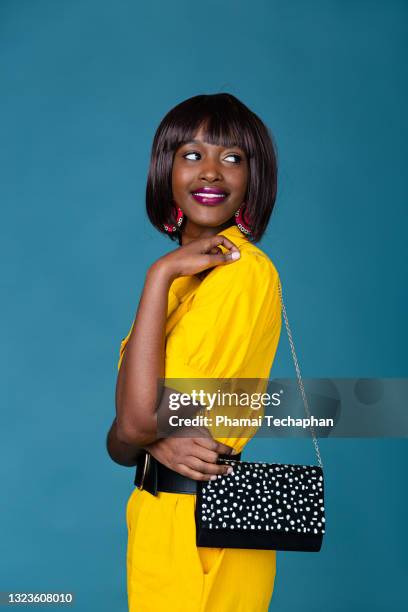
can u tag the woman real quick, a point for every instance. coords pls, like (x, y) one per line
(210, 310)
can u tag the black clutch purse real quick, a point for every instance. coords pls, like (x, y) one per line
(264, 505)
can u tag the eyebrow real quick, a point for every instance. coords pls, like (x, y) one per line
(194, 141)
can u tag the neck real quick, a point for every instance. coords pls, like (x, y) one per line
(192, 231)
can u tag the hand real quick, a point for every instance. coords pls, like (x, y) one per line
(192, 457)
(197, 256)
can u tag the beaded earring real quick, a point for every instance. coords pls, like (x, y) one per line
(179, 220)
(242, 220)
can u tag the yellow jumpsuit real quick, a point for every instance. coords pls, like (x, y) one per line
(225, 326)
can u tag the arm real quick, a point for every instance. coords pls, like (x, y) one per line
(143, 363)
(191, 457)
(144, 360)
(120, 452)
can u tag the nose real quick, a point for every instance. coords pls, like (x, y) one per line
(210, 170)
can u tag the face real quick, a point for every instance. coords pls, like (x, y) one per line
(209, 182)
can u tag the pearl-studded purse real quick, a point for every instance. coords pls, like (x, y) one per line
(264, 505)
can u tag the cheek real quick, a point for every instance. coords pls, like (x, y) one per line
(239, 176)
(181, 177)
(241, 182)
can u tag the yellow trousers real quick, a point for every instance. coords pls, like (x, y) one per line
(166, 572)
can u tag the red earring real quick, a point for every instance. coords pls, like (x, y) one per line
(179, 220)
(242, 220)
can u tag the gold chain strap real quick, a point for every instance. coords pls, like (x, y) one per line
(299, 376)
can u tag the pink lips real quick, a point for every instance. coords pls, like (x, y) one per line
(210, 196)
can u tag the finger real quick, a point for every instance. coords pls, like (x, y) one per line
(209, 260)
(207, 441)
(224, 449)
(205, 454)
(203, 459)
(189, 472)
(184, 470)
(197, 464)
(219, 239)
(215, 250)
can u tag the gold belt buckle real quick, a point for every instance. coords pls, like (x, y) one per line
(145, 468)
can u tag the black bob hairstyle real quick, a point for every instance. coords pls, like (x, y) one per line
(226, 122)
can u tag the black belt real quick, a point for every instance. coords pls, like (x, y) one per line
(154, 476)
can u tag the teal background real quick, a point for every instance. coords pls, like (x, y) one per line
(84, 85)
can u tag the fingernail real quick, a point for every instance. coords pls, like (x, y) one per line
(230, 470)
(235, 255)
(213, 477)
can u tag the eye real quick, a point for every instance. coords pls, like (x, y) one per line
(187, 155)
(238, 158)
(234, 157)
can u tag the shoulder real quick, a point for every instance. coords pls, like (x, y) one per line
(253, 265)
(253, 275)
(255, 259)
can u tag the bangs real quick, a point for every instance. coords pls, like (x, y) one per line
(223, 123)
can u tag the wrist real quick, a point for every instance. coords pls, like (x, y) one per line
(162, 270)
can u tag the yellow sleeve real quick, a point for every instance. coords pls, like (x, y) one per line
(123, 346)
(233, 327)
